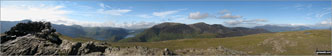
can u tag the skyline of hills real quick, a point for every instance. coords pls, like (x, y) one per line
(115, 34)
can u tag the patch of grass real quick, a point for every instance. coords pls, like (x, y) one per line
(281, 43)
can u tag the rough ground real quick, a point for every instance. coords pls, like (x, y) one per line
(39, 38)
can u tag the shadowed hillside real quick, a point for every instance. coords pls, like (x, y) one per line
(172, 31)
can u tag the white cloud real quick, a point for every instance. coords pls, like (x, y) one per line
(224, 14)
(303, 6)
(48, 13)
(256, 20)
(326, 22)
(164, 13)
(323, 12)
(57, 15)
(224, 11)
(198, 15)
(145, 16)
(102, 5)
(230, 16)
(116, 12)
(242, 21)
(136, 25)
(53, 14)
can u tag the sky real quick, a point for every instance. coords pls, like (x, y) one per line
(144, 14)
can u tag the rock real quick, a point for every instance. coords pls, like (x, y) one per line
(40, 29)
(92, 48)
(32, 38)
(69, 48)
(136, 51)
(28, 45)
(209, 51)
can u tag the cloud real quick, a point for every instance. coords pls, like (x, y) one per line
(241, 21)
(324, 12)
(116, 12)
(198, 15)
(102, 5)
(53, 14)
(165, 13)
(57, 14)
(35, 13)
(224, 14)
(302, 6)
(136, 25)
(256, 20)
(230, 16)
(145, 16)
(326, 22)
(224, 11)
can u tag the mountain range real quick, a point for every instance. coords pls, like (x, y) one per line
(172, 31)
(40, 38)
(76, 31)
(276, 28)
(160, 32)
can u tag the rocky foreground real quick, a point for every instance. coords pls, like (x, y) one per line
(39, 38)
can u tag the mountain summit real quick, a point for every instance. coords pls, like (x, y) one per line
(171, 31)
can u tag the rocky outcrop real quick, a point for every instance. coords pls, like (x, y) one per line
(39, 38)
(38, 29)
(30, 38)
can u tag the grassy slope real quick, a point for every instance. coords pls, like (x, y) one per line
(297, 42)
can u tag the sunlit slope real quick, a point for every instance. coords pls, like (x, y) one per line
(296, 42)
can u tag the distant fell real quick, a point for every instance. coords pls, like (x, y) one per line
(172, 31)
(276, 28)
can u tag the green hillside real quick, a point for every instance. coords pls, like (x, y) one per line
(174, 31)
(296, 42)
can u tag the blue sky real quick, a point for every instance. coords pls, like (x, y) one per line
(147, 13)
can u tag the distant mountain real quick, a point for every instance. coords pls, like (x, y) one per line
(72, 31)
(99, 33)
(275, 28)
(134, 32)
(171, 31)
(108, 33)
(6, 25)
